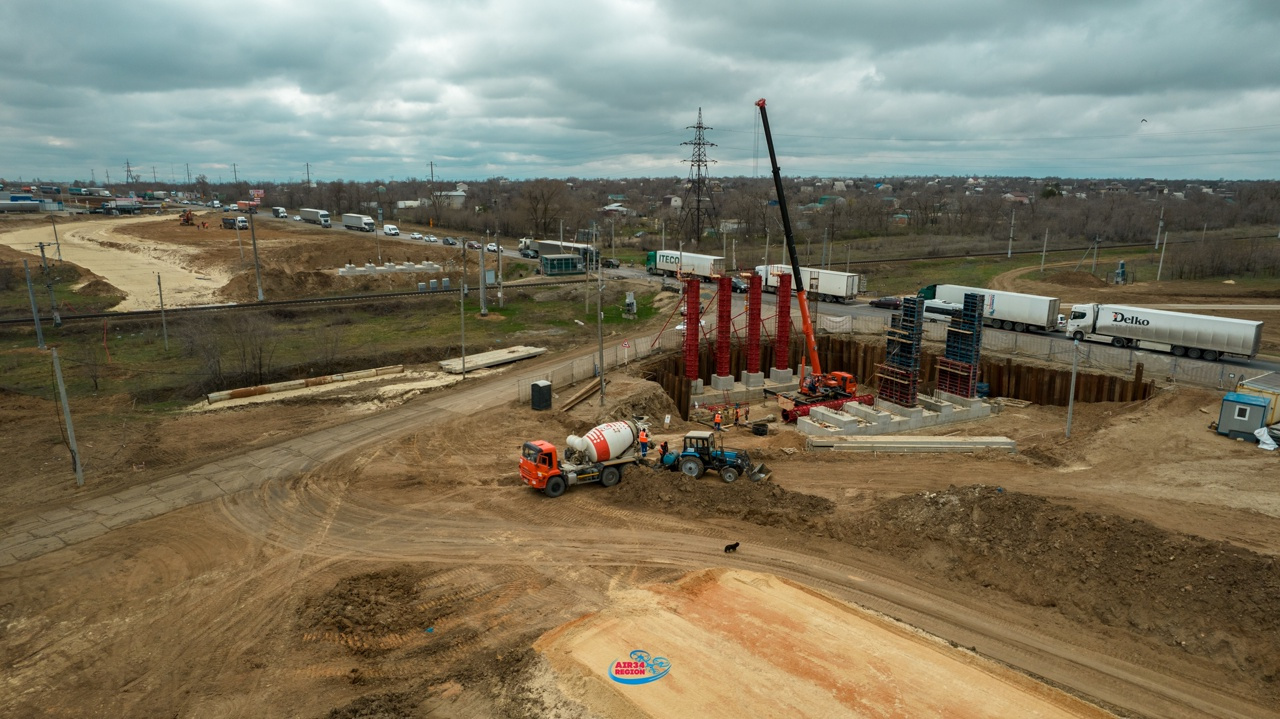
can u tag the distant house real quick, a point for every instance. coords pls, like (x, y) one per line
(727, 226)
(675, 202)
(1018, 197)
(617, 198)
(617, 209)
(453, 200)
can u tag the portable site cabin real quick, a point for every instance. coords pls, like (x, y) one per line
(566, 264)
(1242, 415)
(1266, 386)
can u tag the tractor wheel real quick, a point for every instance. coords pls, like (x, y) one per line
(692, 466)
(728, 474)
(610, 476)
(555, 487)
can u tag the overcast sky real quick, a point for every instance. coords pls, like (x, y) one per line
(378, 89)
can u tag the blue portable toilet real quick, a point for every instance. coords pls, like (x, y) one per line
(1242, 415)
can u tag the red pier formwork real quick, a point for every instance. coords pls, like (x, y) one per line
(692, 322)
(753, 325)
(782, 340)
(724, 326)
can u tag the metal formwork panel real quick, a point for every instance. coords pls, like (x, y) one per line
(753, 325)
(724, 326)
(782, 340)
(692, 321)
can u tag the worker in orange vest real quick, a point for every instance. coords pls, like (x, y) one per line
(644, 443)
(716, 420)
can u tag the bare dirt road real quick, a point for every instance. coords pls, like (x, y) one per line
(413, 573)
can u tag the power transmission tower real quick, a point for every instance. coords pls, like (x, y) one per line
(698, 207)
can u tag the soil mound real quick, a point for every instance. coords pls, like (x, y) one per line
(1211, 599)
(99, 287)
(642, 399)
(1075, 279)
(763, 503)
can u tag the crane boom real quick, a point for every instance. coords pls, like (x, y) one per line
(811, 345)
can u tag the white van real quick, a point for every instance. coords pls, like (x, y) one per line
(215, 203)
(391, 230)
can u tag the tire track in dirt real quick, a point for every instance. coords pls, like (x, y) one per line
(558, 538)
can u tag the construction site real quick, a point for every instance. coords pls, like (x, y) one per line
(895, 521)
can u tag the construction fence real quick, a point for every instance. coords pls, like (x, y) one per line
(1091, 357)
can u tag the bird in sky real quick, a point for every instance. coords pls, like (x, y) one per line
(1143, 120)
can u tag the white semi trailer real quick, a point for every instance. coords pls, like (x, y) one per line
(670, 263)
(1003, 310)
(315, 217)
(822, 285)
(364, 223)
(1178, 333)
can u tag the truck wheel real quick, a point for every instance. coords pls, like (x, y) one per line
(1117, 341)
(728, 474)
(692, 466)
(610, 476)
(1179, 351)
(555, 487)
(1193, 353)
(1078, 336)
(1008, 325)
(1019, 327)
(1210, 356)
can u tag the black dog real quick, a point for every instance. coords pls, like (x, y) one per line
(731, 547)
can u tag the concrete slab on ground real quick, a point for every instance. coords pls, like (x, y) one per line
(491, 359)
(897, 443)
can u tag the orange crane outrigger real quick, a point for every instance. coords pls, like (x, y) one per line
(817, 389)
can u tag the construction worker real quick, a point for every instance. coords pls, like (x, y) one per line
(644, 442)
(662, 450)
(716, 420)
(737, 415)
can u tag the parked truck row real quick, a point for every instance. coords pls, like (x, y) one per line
(1178, 333)
(822, 285)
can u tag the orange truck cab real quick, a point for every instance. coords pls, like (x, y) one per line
(538, 463)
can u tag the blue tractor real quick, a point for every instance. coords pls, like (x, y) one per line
(705, 451)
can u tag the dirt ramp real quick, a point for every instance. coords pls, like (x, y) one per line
(723, 643)
(1210, 599)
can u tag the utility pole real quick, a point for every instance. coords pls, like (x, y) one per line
(1160, 227)
(234, 174)
(257, 267)
(66, 413)
(59, 244)
(1071, 398)
(664, 235)
(484, 307)
(308, 175)
(53, 302)
(501, 301)
(1044, 249)
(188, 164)
(241, 246)
(462, 305)
(153, 175)
(600, 327)
(1165, 246)
(1012, 214)
(164, 326)
(35, 313)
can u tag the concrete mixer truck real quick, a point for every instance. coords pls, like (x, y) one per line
(599, 456)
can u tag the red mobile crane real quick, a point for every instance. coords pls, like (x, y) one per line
(817, 389)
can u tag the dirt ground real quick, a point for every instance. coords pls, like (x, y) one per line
(1132, 566)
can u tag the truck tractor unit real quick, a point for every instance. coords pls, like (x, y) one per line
(704, 451)
(279, 212)
(599, 456)
(1178, 333)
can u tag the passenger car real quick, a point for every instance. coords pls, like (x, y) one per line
(473, 245)
(450, 241)
(529, 254)
(415, 235)
(491, 247)
(888, 303)
(739, 284)
(297, 218)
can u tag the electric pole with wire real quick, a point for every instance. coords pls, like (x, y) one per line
(702, 212)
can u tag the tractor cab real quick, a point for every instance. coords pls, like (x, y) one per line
(699, 444)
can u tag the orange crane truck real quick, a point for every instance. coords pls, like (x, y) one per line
(599, 456)
(818, 389)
